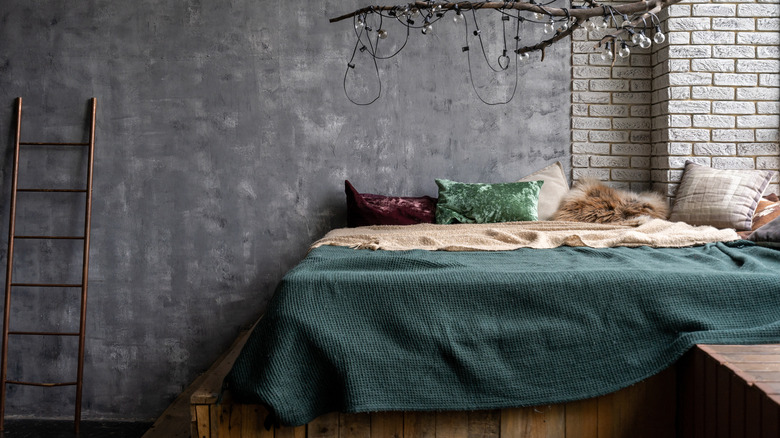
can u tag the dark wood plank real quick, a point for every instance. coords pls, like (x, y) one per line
(723, 402)
(452, 425)
(657, 413)
(685, 395)
(387, 425)
(770, 423)
(582, 419)
(324, 426)
(419, 424)
(698, 394)
(354, 425)
(710, 396)
(629, 412)
(737, 408)
(752, 412)
(484, 424)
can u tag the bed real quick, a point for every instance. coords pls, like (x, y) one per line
(432, 318)
(362, 330)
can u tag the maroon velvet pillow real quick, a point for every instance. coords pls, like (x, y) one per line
(367, 209)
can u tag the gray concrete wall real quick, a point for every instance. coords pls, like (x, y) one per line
(223, 139)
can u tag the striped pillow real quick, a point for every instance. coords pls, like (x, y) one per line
(719, 198)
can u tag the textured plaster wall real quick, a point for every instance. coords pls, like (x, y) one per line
(223, 139)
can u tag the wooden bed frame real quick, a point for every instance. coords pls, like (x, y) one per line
(647, 409)
(713, 391)
(644, 410)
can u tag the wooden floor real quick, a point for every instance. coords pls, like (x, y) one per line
(715, 391)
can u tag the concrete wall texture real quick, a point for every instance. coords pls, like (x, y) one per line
(223, 139)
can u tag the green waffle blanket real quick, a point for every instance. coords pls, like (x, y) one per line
(360, 330)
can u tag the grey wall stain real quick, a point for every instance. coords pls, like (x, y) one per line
(223, 139)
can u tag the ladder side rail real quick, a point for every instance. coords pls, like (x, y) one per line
(10, 263)
(85, 265)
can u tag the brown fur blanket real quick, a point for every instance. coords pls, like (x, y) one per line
(595, 202)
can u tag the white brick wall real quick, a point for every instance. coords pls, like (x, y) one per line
(710, 93)
(611, 114)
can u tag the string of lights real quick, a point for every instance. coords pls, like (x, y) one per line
(633, 23)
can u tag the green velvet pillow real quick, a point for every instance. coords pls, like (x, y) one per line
(487, 203)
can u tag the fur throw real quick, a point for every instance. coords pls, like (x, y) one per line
(593, 201)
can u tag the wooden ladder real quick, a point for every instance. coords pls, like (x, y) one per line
(10, 284)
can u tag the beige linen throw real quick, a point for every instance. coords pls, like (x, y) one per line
(512, 235)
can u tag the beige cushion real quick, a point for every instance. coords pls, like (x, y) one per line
(719, 198)
(553, 190)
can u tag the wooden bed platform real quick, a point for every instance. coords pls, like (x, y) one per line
(725, 390)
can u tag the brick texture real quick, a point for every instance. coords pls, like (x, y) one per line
(710, 94)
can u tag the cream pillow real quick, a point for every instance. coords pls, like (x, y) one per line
(553, 190)
(719, 198)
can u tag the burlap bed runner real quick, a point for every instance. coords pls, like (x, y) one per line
(513, 235)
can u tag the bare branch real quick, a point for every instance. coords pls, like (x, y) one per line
(581, 14)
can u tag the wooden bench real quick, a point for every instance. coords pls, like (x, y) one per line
(730, 391)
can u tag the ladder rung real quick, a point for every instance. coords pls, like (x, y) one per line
(51, 237)
(45, 285)
(54, 190)
(45, 333)
(49, 385)
(32, 143)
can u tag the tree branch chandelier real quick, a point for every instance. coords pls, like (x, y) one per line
(636, 25)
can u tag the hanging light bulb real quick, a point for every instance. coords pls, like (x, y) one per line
(359, 24)
(636, 38)
(564, 26)
(590, 25)
(414, 12)
(644, 42)
(458, 17)
(624, 51)
(606, 54)
(427, 28)
(549, 27)
(538, 15)
(604, 23)
(382, 34)
(659, 36)
(523, 56)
